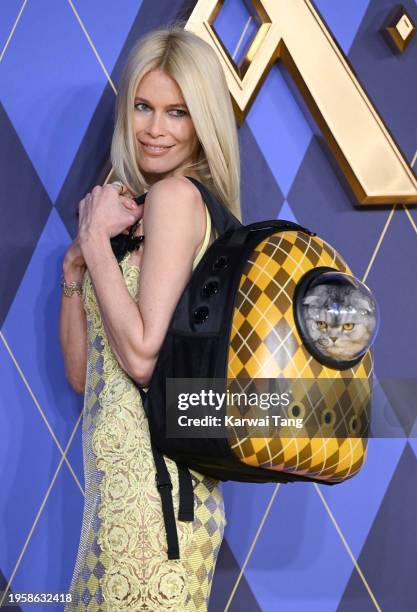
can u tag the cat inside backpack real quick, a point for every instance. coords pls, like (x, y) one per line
(340, 320)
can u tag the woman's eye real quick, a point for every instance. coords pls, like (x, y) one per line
(181, 112)
(176, 112)
(138, 104)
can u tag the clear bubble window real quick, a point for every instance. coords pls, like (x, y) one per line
(338, 315)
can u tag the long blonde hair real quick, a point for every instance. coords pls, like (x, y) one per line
(193, 64)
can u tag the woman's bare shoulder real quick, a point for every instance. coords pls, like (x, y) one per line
(174, 196)
(174, 186)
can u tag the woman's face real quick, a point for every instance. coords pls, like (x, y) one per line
(165, 134)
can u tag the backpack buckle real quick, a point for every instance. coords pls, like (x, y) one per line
(164, 484)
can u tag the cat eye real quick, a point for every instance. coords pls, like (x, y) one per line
(322, 325)
(348, 326)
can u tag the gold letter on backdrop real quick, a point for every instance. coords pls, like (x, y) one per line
(292, 30)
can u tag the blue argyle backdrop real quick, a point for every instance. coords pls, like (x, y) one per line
(297, 547)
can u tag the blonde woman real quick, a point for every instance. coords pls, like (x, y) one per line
(174, 119)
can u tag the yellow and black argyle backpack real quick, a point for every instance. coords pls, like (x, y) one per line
(257, 307)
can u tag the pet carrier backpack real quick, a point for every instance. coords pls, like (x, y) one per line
(242, 315)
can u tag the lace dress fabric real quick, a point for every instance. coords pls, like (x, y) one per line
(122, 556)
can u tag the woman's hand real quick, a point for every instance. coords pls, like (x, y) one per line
(106, 213)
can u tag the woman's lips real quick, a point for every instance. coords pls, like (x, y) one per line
(153, 150)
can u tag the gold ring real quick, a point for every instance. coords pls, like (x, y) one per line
(119, 185)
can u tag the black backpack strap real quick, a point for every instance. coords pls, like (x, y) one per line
(164, 486)
(186, 506)
(241, 234)
(222, 218)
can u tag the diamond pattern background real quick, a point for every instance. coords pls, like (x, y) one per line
(291, 547)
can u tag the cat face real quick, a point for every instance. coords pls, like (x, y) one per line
(340, 320)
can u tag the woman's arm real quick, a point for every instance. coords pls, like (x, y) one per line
(73, 331)
(73, 322)
(174, 224)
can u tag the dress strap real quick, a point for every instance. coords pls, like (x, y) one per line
(206, 238)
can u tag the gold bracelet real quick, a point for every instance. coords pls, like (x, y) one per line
(68, 289)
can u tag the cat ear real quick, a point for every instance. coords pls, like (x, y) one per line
(311, 300)
(363, 304)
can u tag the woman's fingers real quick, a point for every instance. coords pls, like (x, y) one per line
(102, 208)
(120, 188)
(128, 203)
(131, 206)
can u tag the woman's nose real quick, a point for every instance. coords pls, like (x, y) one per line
(156, 125)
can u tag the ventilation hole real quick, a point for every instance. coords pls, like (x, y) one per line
(354, 423)
(221, 263)
(328, 417)
(210, 288)
(201, 314)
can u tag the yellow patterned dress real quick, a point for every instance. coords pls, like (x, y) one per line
(122, 559)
